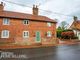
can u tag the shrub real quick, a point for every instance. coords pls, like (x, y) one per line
(59, 33)
(67, 35)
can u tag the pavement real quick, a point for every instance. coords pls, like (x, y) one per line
(14, 46)
(68, 42)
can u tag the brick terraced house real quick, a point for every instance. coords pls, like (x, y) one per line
(20, 28)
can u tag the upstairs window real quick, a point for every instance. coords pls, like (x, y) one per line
(5, 34)
(25, 34)
(49, 24)
(25, 22)
(6, 21)
(49, 34)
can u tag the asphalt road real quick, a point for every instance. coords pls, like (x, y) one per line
(66, 52)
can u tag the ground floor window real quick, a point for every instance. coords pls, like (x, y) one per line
(49, 34)
(25, 34)
(5, 34)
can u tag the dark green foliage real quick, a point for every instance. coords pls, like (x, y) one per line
(65, 36)
(59, 31)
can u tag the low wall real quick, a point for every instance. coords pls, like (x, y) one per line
(28, 41)
(32, 40)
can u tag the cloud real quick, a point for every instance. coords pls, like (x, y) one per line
(66, 7)
(62, 6)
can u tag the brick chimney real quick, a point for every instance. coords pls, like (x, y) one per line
(75, 18)
(1, 6)
(35, 10)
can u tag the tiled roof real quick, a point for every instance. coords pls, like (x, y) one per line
(75, 25)
(25, 16)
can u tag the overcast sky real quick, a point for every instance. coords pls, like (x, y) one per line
(66, 7)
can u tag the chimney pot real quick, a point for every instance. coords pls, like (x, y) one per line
(33, 6)
(1, 6)
(1, 3)
(36, 6)
(35, 10)
(75, 18)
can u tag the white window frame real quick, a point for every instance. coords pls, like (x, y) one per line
(49, 24)
(6, 21)
(49, 34)
(27, 22)
(5, 34)
(27, 35)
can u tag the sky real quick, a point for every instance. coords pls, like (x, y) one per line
(66, 8)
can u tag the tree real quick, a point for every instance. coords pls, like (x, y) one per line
(63, 25)
(61, 28)
(59, 31)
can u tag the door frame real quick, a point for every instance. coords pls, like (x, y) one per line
(39, 37)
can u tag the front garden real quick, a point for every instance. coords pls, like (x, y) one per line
(66, 35)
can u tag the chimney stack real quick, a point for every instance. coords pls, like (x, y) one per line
(35, 10)
(75, 18)
(1, 6)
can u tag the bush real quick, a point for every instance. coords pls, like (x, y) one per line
(67, 35)
(59, 33)
(67, 30)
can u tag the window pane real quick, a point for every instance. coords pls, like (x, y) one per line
(26, 34)
(6, 21)
(5, 34)
(25, 22)
(49, 24)
(49, 34)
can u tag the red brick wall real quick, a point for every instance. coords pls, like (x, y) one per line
(17, 27)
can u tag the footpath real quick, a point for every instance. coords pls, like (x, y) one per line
(14, 46)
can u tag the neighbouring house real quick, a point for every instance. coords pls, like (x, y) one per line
(18, 27)
(76, 27)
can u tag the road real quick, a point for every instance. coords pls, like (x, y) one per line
(64, 52)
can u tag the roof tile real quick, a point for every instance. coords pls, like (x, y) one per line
(25, 16)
